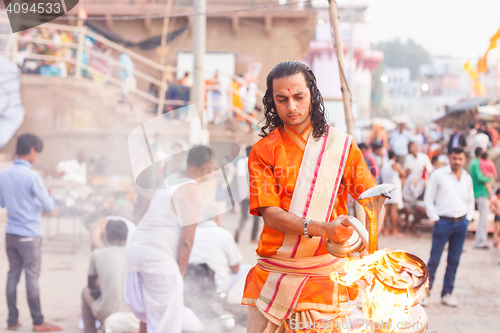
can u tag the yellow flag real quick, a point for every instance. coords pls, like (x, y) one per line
(467, 66)
(474, 76)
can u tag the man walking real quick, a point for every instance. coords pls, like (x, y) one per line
(23, 193)
(449, 201)
(482, 195)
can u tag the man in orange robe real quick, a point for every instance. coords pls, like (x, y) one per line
(295, 114)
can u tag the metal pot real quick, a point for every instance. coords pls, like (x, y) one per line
(354, 245)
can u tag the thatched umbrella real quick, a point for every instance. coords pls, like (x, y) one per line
(463, 113)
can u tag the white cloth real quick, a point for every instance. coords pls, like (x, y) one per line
(417, 164)
(479, 140)
(154, 246)
(445, 195)
(73, 171)
(237, 284)
(391, 176)
(122, 322)
(215, 246)
(157, 300)
(399, 142)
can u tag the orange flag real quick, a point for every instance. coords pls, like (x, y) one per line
(482, 64)
(493, 41)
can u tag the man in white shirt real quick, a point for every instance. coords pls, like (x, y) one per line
(215, 246)
(416, 162)
(449, 201)
(74, 170)
(399, 141)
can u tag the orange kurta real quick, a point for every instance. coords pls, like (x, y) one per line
(274, 164)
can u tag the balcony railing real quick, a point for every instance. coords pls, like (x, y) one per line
(61, 50)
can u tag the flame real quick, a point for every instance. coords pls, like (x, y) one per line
(392, 279)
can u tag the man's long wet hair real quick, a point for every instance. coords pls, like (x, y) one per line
(317, 111)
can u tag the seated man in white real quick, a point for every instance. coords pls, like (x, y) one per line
(215, 246)
(97, 230)
(103, 295)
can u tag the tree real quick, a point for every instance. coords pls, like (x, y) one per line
(408, 54)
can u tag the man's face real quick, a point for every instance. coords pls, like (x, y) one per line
(293, 101)
(457, 161)
(413, 149)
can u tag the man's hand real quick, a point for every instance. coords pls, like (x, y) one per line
(338, 230)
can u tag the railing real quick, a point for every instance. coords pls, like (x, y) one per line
(189, 3)
(78, 52)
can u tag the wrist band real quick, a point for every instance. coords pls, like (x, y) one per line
(306, 226)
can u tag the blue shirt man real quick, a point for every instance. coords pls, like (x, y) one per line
(23, 194)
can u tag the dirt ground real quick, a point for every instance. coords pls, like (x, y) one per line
(66, 253)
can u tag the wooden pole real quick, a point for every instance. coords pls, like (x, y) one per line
(163, 54)
(164, 31)
(346, 93)
(81, 39)
(199, 48)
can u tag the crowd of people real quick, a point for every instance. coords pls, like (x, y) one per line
(63, 48)
(224, 96)
(408, 158)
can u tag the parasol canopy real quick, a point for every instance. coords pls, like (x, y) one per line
(466, 112)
